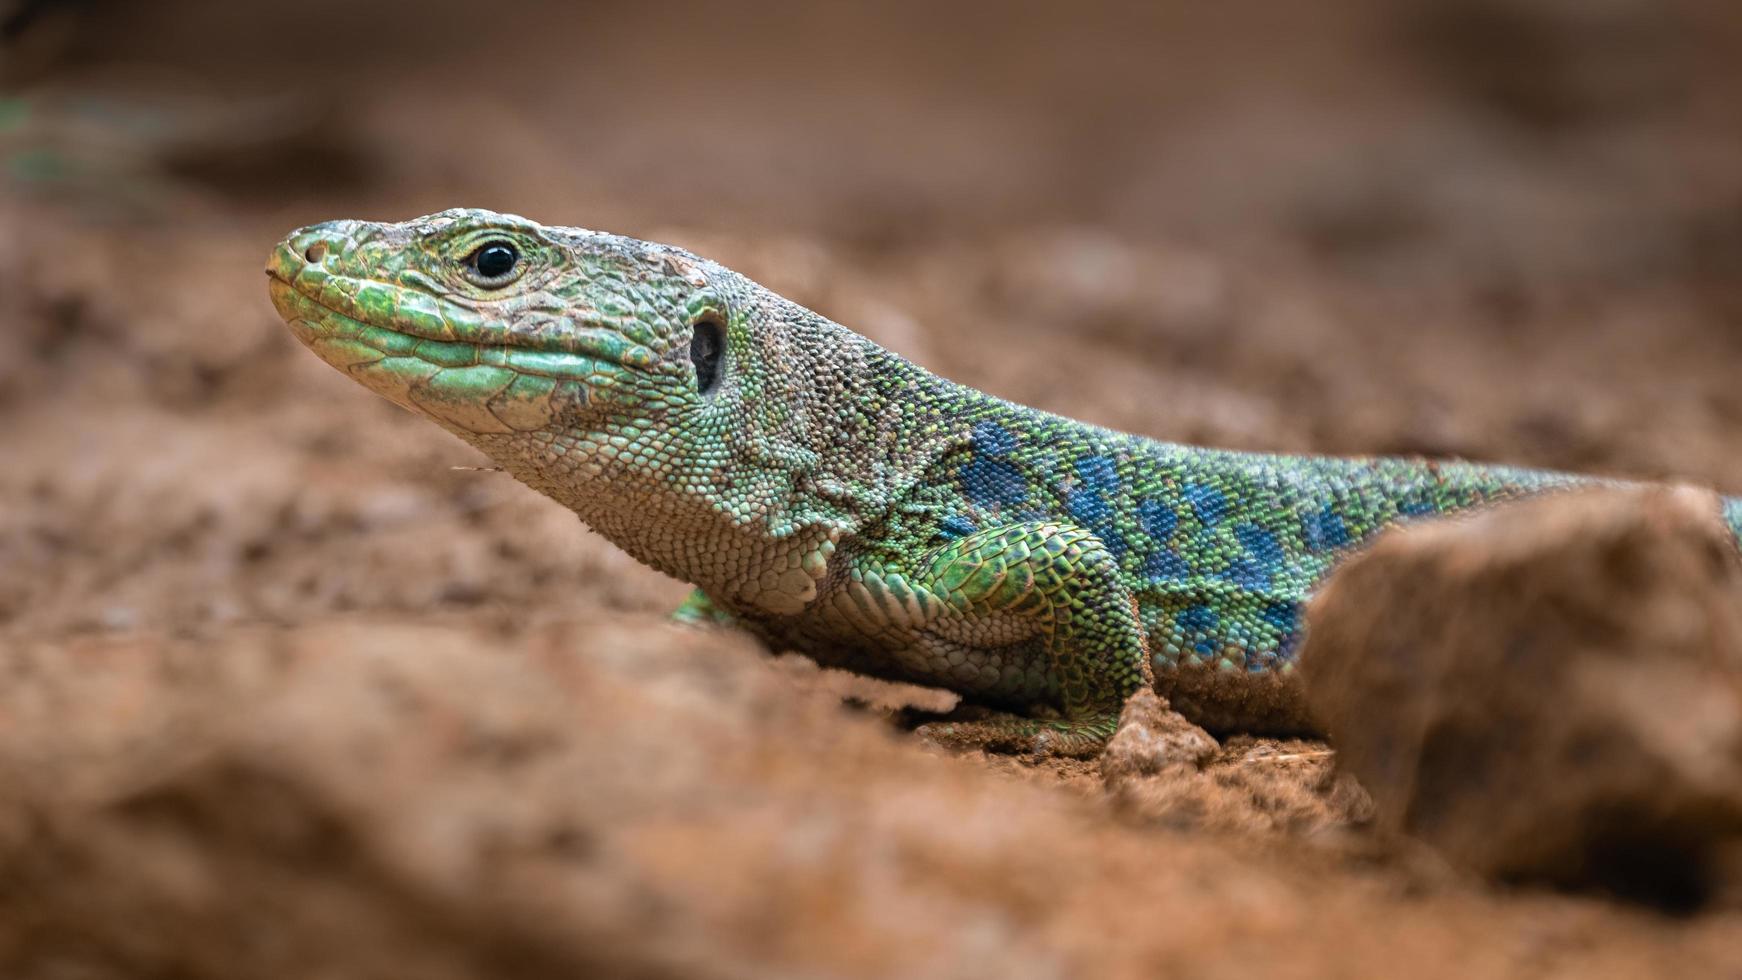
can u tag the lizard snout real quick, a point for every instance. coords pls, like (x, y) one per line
(308, 246)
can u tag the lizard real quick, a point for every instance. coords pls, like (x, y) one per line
(833, 498)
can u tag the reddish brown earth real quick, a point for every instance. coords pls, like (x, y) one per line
(289, 695)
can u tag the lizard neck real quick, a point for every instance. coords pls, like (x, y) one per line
(832, 434)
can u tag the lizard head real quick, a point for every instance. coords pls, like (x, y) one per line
(492, 325)
(666, 399)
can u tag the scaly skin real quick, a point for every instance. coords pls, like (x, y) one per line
(835, 499)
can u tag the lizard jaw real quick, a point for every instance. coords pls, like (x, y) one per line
(467, 388)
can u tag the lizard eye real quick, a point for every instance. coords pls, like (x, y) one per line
(492, 264)
(707, 349)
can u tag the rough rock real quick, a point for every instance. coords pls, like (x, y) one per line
(1161, 768)
(1551, 690)
(1152, 737)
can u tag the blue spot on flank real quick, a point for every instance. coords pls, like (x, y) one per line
(1206, 501)
(1088, 507)
(1259, 543)
(1165, 565)
(1198, 622)
(1324, 530)
(1415, 507)
(992, 439)
(1247, 574)
(1285, 616)
(1115, 542)
(1158, 519)
(1099, 472)
(1290, 643)
(1198, 619)
(956, 526)
(993, 483)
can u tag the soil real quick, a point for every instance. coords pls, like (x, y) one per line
(293, 689)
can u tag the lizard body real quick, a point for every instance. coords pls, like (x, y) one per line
(834, 498)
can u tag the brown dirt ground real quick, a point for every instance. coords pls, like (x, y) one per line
(288, 694)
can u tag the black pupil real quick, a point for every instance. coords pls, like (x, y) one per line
(495, 260)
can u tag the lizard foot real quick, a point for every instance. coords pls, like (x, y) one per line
(698, 610)
(1078, 738)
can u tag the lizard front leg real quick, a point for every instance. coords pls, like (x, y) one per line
(991, 609)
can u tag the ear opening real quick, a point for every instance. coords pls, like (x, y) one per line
(708, 354)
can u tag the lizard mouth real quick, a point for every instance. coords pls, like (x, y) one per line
(468, 388)
(473, 382)
(405, 320)
(369, 352)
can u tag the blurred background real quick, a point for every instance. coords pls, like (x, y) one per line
(1500, 229)
(1496, 229)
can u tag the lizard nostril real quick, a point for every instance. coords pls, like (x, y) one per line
(315, 253)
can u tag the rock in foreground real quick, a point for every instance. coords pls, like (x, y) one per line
(1552, 689)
